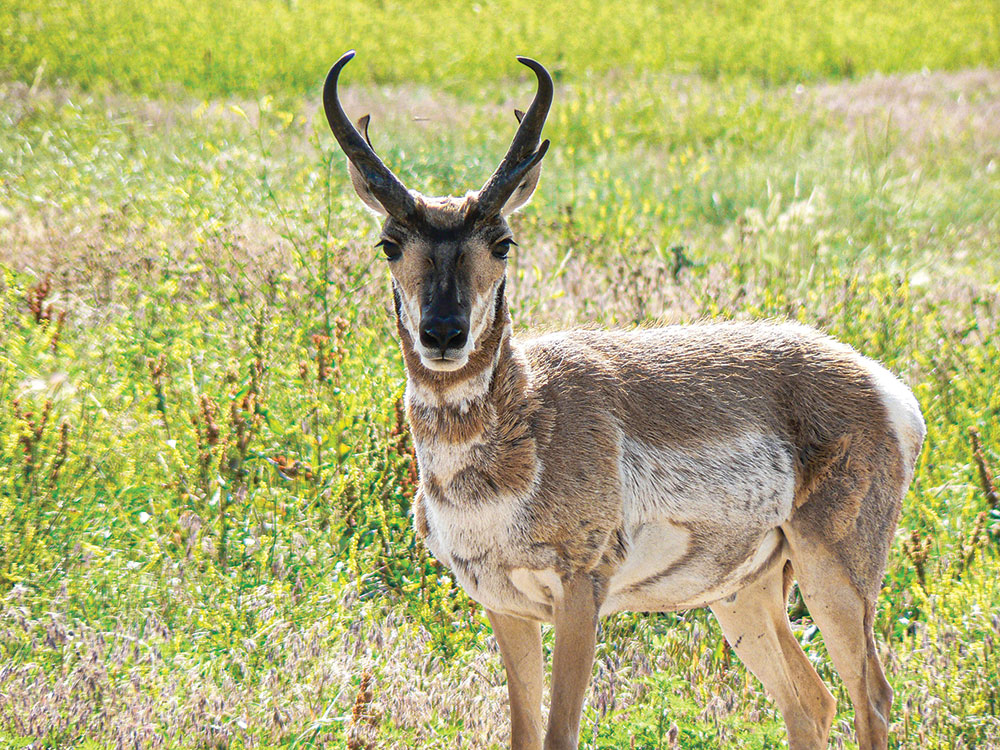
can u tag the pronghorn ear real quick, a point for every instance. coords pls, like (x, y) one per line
(361, 186)
(522, 193)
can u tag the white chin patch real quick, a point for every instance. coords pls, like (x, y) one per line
(445, 365)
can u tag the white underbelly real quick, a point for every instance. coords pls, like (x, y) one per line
(698, 526)
(686, 581)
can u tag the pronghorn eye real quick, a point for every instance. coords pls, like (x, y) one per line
(502, 247)
(391, 249)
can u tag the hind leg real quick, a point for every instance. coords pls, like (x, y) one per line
(845, 617)
(755, 623)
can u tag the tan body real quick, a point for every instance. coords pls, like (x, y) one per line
(587, 472)
(671, 495)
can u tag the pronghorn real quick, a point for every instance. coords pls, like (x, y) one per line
(582, 473)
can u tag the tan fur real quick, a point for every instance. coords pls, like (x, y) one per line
(583, 472)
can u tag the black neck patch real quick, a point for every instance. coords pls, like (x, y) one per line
(500, 297)
(397, 303)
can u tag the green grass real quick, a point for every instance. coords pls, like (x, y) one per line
(264, 46)
(216, 547)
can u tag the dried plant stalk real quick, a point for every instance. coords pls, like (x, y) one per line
(985, 473)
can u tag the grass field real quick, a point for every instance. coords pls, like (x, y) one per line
(204, 475)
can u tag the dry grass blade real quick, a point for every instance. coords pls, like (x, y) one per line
(985, 472)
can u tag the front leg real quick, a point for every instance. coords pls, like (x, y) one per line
(521, 647)
(572, 659)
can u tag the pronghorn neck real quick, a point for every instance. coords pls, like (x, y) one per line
(470, 427)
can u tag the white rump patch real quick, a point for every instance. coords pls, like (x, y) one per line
(904, 412)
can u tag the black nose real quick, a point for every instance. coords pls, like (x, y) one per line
(441, 334)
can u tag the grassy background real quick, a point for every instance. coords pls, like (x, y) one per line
(257, 47)
(204, 479)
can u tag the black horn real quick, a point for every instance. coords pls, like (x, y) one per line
(385, 186)
(525, 150)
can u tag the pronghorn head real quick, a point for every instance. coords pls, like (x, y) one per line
(447, 256)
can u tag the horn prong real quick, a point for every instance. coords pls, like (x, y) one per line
(363, 129)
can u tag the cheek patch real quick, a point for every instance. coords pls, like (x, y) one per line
(404, 313)
(480, 318)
